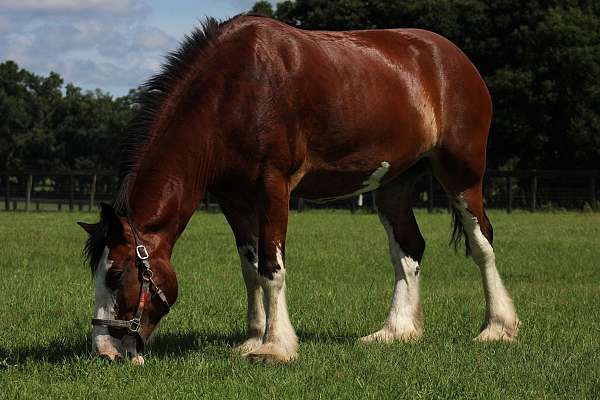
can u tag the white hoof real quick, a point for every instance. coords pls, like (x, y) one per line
(272, 352)
(498, 331)
(387, 335)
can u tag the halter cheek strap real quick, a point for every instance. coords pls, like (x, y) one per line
(134, 325)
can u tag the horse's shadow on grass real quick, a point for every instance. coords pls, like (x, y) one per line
(178, 344)
(55, 352)
(165, 345)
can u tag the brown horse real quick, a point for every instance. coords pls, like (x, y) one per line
(256, 112)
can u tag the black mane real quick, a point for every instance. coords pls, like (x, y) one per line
(150, 101)
(95, 244)
(153, 95)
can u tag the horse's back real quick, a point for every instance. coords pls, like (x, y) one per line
(352, 100)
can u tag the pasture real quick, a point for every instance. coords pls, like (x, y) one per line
(339, 287)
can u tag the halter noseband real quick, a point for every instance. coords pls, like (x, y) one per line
(134, 325)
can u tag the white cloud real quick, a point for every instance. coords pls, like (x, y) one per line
(105, 74)
(83, 40)
(5, 25)
(109, 44)
(152, 38)
(116, 7)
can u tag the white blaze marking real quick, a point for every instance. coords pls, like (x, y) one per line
(104, 308)
(371, 183)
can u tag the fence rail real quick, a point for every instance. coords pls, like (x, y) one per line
(528, 189)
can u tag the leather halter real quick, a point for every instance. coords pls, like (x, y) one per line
(134, 325)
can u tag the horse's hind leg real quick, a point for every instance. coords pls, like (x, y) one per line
(244, 223)
(501, 321)
(404, 322)
(464, 187)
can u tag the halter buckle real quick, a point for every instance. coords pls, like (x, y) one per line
(135, 325)
(141, 252)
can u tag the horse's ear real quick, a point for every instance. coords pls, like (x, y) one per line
(107, 213)
(109, 216)
(89, 228)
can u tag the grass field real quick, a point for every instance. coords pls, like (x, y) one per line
(339, 285)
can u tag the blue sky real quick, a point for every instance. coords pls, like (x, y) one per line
(109, 44)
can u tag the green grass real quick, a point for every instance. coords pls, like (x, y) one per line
(340, 284)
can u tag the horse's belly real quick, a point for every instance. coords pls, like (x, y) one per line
(328, 185)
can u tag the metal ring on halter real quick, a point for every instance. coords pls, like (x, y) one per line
(147, 275)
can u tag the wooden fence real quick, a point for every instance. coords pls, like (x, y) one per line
(532, 190)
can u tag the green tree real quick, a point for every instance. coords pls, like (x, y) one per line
(27, 104)
(15, 117)
(90, 126)
(43, 126)
(263, 7)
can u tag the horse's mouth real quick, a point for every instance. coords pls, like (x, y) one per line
(112, 357)
(118, 348)
(107, 348)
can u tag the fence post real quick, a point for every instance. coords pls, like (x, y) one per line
(534, 185)
(207, 201)
(593, 191)
(374, 202)
(28, 192)
(430, 195)
(93, 192)
(71, 192)
(509, 194)
(7, 192)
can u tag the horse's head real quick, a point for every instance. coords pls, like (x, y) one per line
(132, 292)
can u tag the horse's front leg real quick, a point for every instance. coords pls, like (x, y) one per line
(244, 224)
(280, 341)
(255, 318)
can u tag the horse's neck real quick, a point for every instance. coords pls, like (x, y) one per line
(168, 184)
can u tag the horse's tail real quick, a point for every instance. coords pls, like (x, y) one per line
(458, 231)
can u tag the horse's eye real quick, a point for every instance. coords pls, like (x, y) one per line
(113, 278)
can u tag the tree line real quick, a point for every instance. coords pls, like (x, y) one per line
(45, 125)
(540, 59)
